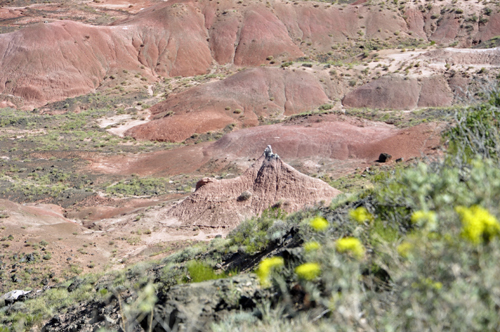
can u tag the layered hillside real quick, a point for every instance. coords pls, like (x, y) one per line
(50, 61)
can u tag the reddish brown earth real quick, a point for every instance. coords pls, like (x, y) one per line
(96, 207)
(398, 92)
(70, 245)
(268, 182)
(240, 99)
(48, 62)
(342, 143)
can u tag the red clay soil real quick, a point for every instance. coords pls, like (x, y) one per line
(269, 181)
(240, 99)
(339, 139)
(95, 208)
(319, 26)
(49, 62)
(398, 92)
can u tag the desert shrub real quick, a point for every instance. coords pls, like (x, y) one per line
(139, 187)
(252, 234)
(199, 271)
(326, 107)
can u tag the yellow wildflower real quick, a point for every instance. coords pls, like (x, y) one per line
(404, 249)
(266, 267)
(361, 215)
(311, 246)
(319, 224)
(351, 245)
(308, 271)
(428, 219)
(478, 225)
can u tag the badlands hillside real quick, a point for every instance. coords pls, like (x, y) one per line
(227, 165)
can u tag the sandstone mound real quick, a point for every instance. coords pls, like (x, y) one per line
(397, 92)
(268, 182)
(240, 99)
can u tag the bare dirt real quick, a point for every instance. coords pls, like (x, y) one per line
(338, 142)
(241, 100)
(402, 93)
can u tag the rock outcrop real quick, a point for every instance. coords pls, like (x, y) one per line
(268, 182)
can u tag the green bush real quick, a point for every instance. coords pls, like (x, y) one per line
(252, 234)
(199, 271)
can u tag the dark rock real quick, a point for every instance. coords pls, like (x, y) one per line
(384, 157)
(194, 306)
(244, 196)
(75, 284)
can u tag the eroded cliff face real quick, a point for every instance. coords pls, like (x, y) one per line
(51, 61)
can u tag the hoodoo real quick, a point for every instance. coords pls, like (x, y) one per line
(268, 182)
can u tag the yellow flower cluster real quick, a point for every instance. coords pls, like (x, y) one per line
(311, 246)
(423, 216)
(478, 225)
(404, 249)
(308, 271)
(361, 215)
(266, 267)
(426, 219)
(319, 224)
(350, 245)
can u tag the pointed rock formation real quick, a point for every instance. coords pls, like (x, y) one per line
(268, 182)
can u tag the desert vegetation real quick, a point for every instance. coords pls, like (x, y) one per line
(416, 251)
(135, 194)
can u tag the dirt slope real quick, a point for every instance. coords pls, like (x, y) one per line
(240, 99)
(268, 182)
(331, 143)
(398, 92)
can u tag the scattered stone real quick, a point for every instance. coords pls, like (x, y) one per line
(13, 296)
(203, 182)
(244, 196)
(384, 157)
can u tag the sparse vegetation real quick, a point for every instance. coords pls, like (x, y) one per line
(411, 245)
